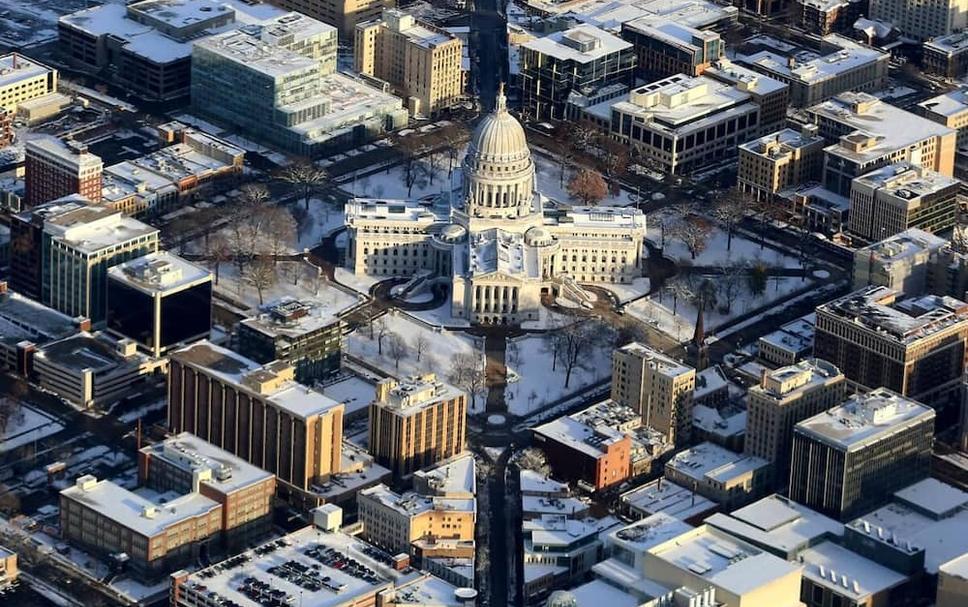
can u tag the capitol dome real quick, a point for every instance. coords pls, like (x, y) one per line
(498, 170)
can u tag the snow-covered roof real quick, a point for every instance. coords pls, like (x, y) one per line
(69, 153)
(557, 532)
(796, 336)
(187, 452)
(289, 318)
(585, 438)
(455, 477)
(665, 496)
(410, 395)
(809, 67)
(160, 272)
(933, 497)
(349, 100)
(689, 39)
(949, 45)
(663, 364)
(496, 251)
(681, 101)
(865, 418)
(90, 229)
(907, 182)
(83, 351)
(747, 79)
(792, 381)
(534, 505)
(710, 461)
(947, 104)
(651, 531)
(534, 483)
(780, 144)
(777, 524)
(15, 68)
(598, 594)
(611, 14)
(901, 246)
(715, 423)
(956, 567)
(582, 43)
(847, 573)
(411, 504)
(34, 319)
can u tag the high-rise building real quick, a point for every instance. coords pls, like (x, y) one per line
(23, 79)
(416, 422)
(850, 459)
(579, 60)
(657, 386)
(914, 346)
(344, 15)
(896, 197)
(922, 20)
(420, 60)
(900, 262)
(160, 301)
(780, 160)
(54, 169)
(783, 398)
(258, 413)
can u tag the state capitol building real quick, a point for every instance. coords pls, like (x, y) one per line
(501, 245)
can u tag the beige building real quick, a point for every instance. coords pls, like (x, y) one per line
(901, 196)
(420, 60)
(902, 262)
(953, 582)
(345, 15)
(23, 79)
(783, 398)
(779, 160)
(416, 422)
(394, 521)
(8, 566)
(658, 387)
(951, 110)
(498, 245)
(728, 478)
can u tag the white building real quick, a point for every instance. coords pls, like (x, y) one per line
(498, 246)
(900, 262)
(922, 20)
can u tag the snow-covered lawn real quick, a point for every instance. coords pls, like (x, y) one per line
(322, 219)
(640, 286)
(681, 325)
(359, 283)
(443, 346)
(532, 384)
(548, 181)
(716, 254)
(28, 425)
(391, 183)
(296, 279)
(440, 316)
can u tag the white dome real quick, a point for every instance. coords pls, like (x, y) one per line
(538, 237)
(499, 137)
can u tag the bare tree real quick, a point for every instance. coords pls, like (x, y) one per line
(280, 228)
(693, 232)
(615, 160)
(533, 459)
(588, 187)
(679, 289)
(434, 162)
(305, 178)
(253, 196)
(410, 163)
(218, 253)
(382, 329)
(396, 348)
(420, 345)
(452, 137)
(262, 275)
(578, 340)
(729, 211)
(467, 373)
(730, 284)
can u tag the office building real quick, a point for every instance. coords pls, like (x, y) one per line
(146, 46)
(783, 398)
(789, 344)
(946, 56)
(558, 551)
(396, 521)
(582, 59)
(953, 582)
(665, 48)
(901, 262)
(664, 496)
(951, 110)
(922, 21)
(585, 450)
(658, 387)
(914, 346)
(846, 460)
(160, 301)
(896, 197)
(780, 160)
(194, 499)
(730, 479)
(258, 413)
(838, 65)
(54, 169)
(701, 14)
(23, 79)
(416, 422)
(832, 574)
(771, 95)
(681, 123)
(420, 60)
(344, 15)
(27, 228)
(24, 325)
(277, 83)
(865, 134)
(303, 333)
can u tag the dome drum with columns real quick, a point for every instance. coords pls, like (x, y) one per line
(499, 248)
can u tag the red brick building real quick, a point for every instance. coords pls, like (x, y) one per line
(598, 456)
(56, 168)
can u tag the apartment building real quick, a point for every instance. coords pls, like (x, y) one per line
(813, 75)
(922, 20)
(783, 398)
(849, 459)
(193, 498)
(159, 301)
(865, 134)
(258, 413)
(901, 262)
(780, 160)
(580, 60)
(896, 197)
(420, 60)
(395, 521)
(657, 386)
(666, 47)
(23, 79)
(344, 15)
(946, 56)
(912, 345)
(54, 169)
(681, 123)
(416, 422)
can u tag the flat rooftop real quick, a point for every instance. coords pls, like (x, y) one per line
(742, 76)
(582, 43)
(907, 181)
(847, 573)
(321, 569)
(809, 67)
(187, 452)
(950, 44)
(611, 14)
(723, 561)
(92, 229)
(34, 319)
(85, 351)
(710, 461)
(778, 525)
(69, 152)
(781, 143)
(587, 439)
(796, 379)
(535, 483)
(948, 104)
(557, 532)
(159, 273)
(651, 531)
(902, 246)
(455, 477)
(865, 418)
(15, 68)
(291, 318)
(411, 503)
(349, 100)
(145, 516)
(409, 395)
(666, 365)
(796, 336)
(882, 310)
(669, 498)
